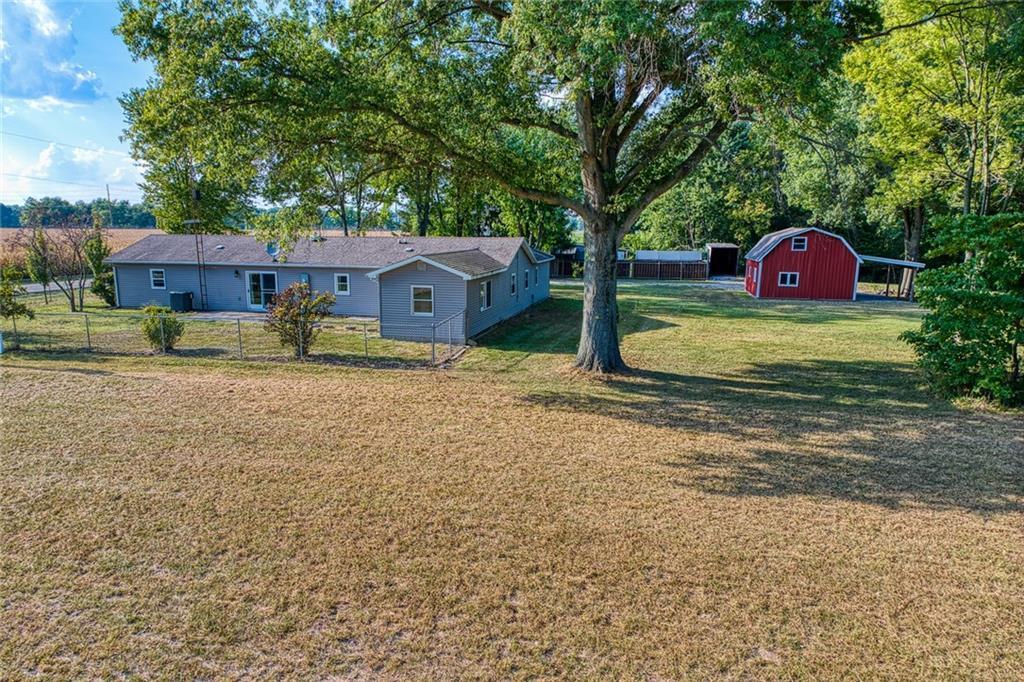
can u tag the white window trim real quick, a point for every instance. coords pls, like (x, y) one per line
(163, 276)
(512, 289)
(490, 290)
(412, 299)
(803, 240)
(795, 283)
(348, 284)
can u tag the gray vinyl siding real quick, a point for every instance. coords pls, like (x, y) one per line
(396, 318)
(225, 291)
(505, 304)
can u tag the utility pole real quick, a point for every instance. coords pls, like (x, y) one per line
(110, 208)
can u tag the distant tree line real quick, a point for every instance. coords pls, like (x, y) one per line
(53, 211)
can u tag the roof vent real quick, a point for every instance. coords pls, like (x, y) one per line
(316, 238)
(409, 248)
(403, 241)
(219, 247)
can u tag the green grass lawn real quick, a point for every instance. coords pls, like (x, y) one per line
(771, 493)
(118, 331)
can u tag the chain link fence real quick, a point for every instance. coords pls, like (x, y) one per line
(345, 340)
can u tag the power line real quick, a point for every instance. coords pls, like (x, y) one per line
(65, 144)
(69, 182)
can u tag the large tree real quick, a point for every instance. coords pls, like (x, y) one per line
(942, 108)
(630, 96)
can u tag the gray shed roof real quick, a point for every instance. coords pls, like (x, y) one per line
(349, 252)
(773, 239)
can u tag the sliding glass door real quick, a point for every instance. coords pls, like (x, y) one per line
(262, 287)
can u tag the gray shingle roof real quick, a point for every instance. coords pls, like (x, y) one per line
(473, 263)
(353, 252)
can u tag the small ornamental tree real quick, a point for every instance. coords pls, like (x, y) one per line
(971, 338)
(96, 250)
(294, 314)
(37, 261)
(162, 328)
(10, 307)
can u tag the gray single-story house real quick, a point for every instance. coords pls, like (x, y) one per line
(411, 284)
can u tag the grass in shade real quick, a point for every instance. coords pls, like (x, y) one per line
(771, 493)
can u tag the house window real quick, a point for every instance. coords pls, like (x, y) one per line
(157, 280)
(513, 291)
(423, 300)
(341, 284)
(789, 279)
(799, 243)
(485, 295)
(526, 279)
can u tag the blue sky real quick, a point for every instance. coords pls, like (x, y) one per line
(61, 72)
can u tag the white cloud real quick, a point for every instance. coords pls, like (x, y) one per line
(73, 173)
(38, 56)
(44, 21)
(49, 103)
(78, 73)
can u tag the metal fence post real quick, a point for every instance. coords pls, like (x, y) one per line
(88, 335)
(238, 326)
(449, 338)
(366, 342)
(163, 339)
(433, 340)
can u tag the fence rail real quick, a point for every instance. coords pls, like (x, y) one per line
(338, 339)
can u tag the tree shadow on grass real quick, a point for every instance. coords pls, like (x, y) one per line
(861, 432)
(553, 326)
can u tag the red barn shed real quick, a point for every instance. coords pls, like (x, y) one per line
(803, 262)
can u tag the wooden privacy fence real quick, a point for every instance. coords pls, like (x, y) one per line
(662, 269)
(629, 269)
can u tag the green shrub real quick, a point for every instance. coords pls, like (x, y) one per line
(163, 337)
(294, 314)
(103, 286)
(970, 340)
(11, 308)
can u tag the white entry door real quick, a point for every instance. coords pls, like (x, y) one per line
(262, 286)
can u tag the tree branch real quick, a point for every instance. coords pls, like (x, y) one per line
(491, 8)
(645, 161)
(670, 180)
(550, 198)
(948, 10)
(551, 126)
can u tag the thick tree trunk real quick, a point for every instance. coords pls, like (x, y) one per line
(599, 337)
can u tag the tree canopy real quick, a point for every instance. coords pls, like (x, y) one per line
(596, 107)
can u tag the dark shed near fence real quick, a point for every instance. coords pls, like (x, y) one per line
(723, 259)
